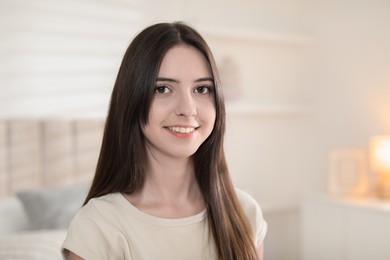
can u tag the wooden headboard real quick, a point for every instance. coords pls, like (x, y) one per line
(39, 153)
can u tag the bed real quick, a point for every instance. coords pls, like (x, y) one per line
(46, 166)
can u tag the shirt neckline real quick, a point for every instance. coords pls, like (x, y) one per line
(159, 220)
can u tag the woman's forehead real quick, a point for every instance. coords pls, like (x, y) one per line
(184, 61)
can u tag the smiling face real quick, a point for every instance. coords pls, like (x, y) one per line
(182, 112)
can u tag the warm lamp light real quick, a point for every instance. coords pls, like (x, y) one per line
(380, 163)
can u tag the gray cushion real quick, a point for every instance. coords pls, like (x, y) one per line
(53, 208)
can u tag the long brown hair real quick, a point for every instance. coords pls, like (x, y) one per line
(123, 156)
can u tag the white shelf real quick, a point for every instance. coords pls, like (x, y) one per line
(244, 109)
(279, 207)
(364, 203)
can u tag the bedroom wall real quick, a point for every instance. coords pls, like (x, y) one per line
(351, 75)
(313, 75)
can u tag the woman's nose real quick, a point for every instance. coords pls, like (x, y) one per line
(186, 105)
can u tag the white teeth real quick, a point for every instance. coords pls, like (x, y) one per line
(182, 130)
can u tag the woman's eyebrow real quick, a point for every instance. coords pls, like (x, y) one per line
(177, 81)
(167, 79)
(205, 79)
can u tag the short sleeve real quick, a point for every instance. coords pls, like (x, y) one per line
(254, 214)
(261, 226)
(90, 236)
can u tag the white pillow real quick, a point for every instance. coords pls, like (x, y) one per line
(33, 245)
(13, 217)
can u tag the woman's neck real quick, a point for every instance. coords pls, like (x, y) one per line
(170, 189)
(170, 179)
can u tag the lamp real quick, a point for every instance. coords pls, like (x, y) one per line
(380, 163)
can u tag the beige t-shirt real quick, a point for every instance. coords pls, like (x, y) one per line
(110, 227)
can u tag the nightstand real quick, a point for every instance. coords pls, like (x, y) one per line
(345, 229)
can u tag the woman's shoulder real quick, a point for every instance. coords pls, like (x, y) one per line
(99, 212)
(247, 201)
(100, 206)
(96, 231)
(104, 200)
(254, 214)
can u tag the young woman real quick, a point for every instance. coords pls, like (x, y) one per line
(162, 188)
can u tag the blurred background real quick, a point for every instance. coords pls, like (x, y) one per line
(302, 79)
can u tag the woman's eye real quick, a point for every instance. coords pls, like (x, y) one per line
(203, 90)
(161, 89)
